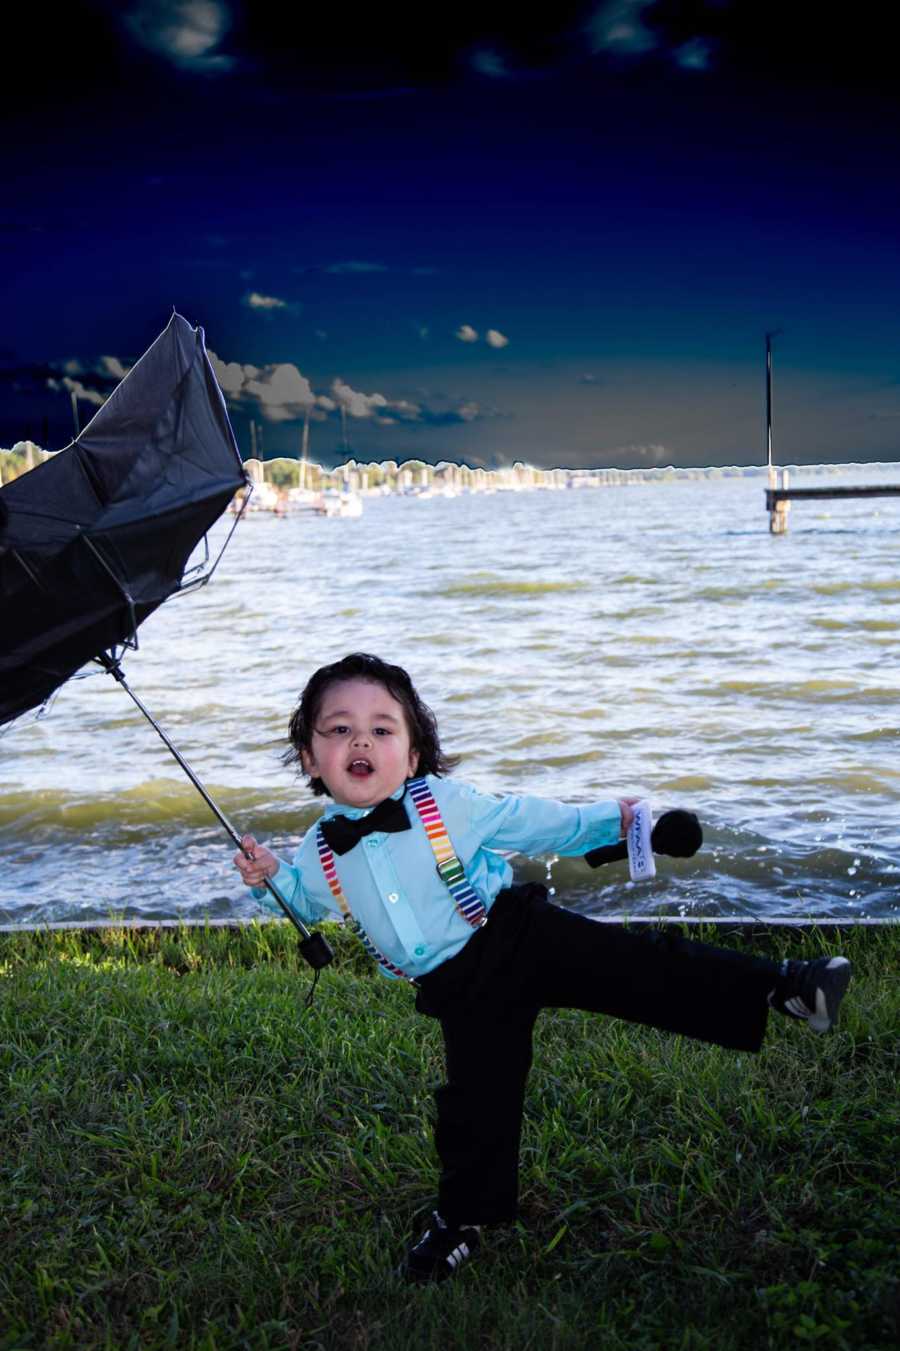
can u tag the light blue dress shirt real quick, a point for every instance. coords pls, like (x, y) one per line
(391, 880)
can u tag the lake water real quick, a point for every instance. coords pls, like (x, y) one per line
(647, 639)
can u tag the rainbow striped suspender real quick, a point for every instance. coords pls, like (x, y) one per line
(451, 872)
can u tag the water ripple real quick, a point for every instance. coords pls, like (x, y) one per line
(586, 644)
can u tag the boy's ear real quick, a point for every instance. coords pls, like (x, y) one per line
(413, 762)
(308, 763)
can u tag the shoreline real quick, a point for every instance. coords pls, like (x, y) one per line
(721, 922)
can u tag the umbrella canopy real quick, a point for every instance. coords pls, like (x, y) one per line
(94, 540)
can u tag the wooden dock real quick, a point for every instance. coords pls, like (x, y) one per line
(780, 497)
(775, 495)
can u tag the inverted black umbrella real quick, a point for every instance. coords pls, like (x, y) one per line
(95, 539)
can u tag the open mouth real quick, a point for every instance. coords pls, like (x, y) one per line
(360, 768)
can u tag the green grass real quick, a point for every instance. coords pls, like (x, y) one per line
(187, 1159)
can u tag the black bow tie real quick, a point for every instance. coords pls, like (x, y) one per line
(342, 833)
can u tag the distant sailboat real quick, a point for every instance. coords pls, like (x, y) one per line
(302, 498)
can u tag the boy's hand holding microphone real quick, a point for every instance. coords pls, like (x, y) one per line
(677, 833)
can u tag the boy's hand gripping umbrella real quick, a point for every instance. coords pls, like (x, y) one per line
(94, 540)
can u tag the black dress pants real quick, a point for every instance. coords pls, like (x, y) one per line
(533, 955)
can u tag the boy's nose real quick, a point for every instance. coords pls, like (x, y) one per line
(361, 738)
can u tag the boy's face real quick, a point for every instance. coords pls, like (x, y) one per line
(361, 747)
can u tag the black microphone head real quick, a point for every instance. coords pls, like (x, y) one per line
(677, 833)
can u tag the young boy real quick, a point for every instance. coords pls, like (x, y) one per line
(409, 857)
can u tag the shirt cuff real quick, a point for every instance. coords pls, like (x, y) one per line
(285, 880)
(604, 824)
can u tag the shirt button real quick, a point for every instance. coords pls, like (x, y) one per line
(393, 896)
(419, 951)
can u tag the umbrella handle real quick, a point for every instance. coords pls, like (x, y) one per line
(314, 949)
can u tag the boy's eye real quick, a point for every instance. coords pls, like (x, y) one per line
(341, 729)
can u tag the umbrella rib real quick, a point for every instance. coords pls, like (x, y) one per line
(47, 516)
(19, 559)
(133, 641)
(201, 581)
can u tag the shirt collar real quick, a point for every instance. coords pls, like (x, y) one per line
(356, 813)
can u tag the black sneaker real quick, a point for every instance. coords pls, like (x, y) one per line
(441, 1250)
(812, 990)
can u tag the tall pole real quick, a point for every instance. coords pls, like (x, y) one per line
(769, 336)
(778, 513)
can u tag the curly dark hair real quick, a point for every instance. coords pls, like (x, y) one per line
(420, 720)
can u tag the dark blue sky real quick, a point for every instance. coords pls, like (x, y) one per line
(487, 240)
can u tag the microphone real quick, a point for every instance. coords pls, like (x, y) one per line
(677, 833)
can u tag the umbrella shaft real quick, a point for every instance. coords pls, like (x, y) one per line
(213, 806)
(115, 670)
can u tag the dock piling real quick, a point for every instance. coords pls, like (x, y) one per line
(779, 507)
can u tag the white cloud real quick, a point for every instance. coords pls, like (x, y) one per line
(260, 302)
(114, 367)
(185, 32)
(280, 390)
(495, 339)
(282, 393)
(466, 333)
(618, 26)
(488, 62)
(695, 54)
(406, 411)
(357, 404)
(79, 390)
(230, 374)
(104, 371)
(355, 265)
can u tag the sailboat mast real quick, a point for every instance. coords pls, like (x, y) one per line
(304, 448)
